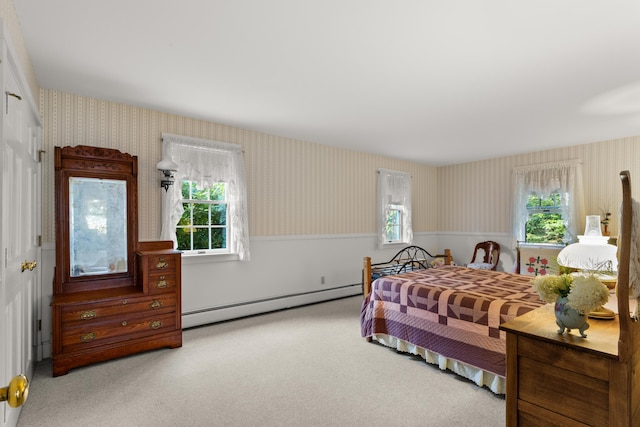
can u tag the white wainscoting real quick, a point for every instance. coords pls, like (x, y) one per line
(48, 263)
(462, 245)
(284, 272)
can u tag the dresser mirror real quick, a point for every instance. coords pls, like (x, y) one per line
(96, 211)
(97, 226)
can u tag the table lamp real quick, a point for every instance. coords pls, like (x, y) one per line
(593, 254)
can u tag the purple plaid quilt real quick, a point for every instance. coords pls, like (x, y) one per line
(453, 311)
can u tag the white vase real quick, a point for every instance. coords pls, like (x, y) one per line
(568, 318)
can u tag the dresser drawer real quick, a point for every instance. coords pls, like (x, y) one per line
(586, 399)
(119, 328)
(162, 282)
(162, 263)
(97, 311)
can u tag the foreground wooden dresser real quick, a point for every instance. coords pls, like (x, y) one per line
(99, 325)
(562, 380)
(112, 294)
(566, 380)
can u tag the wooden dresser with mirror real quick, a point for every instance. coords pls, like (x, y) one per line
(112, 294)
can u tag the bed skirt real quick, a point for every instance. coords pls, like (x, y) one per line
(493, 382)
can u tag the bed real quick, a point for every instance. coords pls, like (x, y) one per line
(450, 316)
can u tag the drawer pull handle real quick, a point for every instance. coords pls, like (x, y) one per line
(88, 337)
(162, 263)
(124, 302)
(124, 323)
(87, 315)
(162, 283)
(155, 304)
(156, 324)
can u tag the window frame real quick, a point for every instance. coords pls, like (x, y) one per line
(556, 209)
(207, 162)
(394, 189)
(398, 226)
(227, 226)
(562, 176)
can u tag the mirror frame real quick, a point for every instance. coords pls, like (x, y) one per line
(102, 163)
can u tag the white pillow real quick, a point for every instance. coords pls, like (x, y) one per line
(480, 266)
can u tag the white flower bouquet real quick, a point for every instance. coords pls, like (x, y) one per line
(584, 293)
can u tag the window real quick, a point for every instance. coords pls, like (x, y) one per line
(394, 208)
(394, 224)
(548, 202)
(205, 211)
(203, 225)
(545, 223)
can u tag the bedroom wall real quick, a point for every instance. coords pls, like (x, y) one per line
(475, 198)
(311, 206)
(294, 187)
(14, 32)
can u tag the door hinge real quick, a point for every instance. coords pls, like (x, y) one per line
(7, 94)
(40, 153)
(39, 324)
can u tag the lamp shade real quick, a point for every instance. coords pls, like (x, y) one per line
(590, 255)
(167, 165)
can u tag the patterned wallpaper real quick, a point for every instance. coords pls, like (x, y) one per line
(302, 188)
(14, 32)
(294, 187)
(476, 196)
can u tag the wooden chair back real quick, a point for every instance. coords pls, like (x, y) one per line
(491, 253)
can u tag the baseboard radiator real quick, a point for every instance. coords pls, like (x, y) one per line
(250, 308)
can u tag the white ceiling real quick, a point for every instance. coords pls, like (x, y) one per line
(438, 82)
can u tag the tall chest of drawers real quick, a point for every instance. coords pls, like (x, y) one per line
(112, 294)
(99, 325)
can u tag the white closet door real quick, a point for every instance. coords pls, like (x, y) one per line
(20, 213)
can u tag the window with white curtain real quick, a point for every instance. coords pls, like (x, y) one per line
(394, 208)
(559, 182)
(205, 211)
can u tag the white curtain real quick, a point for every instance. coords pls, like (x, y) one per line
(207, 162)
(394, 188)
(544, 179)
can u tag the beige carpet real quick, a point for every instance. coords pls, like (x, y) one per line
(305, 366)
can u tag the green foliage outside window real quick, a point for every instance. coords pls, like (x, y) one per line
(545, 228)
(203, 225)
(545, 223)
(393, 224)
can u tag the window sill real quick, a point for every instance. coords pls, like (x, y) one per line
(541, 245)
(207, 258)
(394, 243)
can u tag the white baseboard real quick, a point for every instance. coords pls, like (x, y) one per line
(44, 351)
(219, 314)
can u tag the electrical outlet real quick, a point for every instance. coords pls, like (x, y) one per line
(322, 280)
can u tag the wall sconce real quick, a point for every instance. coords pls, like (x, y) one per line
(167, 167)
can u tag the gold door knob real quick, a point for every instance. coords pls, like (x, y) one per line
(15, 394)
(29, 265)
